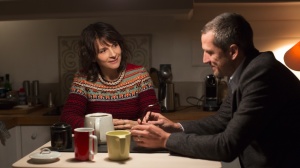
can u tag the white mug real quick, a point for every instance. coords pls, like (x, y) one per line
(101, 122)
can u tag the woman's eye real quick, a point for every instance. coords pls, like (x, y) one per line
(102, 51)
(115, 44)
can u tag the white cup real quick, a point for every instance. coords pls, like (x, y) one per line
(101, 122)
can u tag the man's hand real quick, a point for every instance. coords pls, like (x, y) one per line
(149, 136)
(161, 121)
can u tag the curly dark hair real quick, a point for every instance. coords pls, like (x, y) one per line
(88, 48)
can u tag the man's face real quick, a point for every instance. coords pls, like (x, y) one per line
(219, 60)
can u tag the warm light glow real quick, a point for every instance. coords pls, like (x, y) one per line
(292, 57)
(279, 54)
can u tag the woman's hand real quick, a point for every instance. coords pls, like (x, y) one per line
(121, 124)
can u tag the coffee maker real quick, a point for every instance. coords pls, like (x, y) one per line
(210, 94)
(166, 92)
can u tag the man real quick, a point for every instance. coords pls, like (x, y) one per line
(258, 121)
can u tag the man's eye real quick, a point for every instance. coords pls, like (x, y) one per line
(209, 53)
(115, 44)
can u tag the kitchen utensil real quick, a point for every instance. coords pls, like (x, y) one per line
(35, 92)
(61, 136)
(211, 98)
(85, 143)
(45, 156)
(101, 122)
(169, 101)
(118, 144)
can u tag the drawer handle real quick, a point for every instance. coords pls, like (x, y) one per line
(33, 136)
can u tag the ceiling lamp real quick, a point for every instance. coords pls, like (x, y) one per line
(292, 57)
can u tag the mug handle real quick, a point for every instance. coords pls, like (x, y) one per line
(97, 128)
(93, 146)
(122, 144)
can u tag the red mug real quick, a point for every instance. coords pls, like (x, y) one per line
(85, 143)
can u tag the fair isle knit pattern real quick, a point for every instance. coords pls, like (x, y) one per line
(125, 90)
(125, 100)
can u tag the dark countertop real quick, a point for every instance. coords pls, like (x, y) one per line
(27, 116)
(31, 116)
(184, 113)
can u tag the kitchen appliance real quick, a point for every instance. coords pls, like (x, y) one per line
(61, 136)
(211, 95)
(166, 92)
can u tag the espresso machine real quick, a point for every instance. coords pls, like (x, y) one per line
(166, 92)
(211, 102)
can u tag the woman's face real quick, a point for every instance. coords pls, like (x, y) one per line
(109, 55)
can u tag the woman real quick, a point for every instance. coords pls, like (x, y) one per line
(107, 83)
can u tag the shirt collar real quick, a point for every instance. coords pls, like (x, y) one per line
(233, 79)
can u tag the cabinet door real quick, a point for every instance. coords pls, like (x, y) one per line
(34, 137)
(11, 152)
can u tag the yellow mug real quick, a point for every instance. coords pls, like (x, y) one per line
(118, 144)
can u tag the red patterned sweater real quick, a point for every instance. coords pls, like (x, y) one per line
(126, 100)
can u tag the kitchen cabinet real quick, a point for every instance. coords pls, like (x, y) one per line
(33, 137)
(23, 140)
(29, 129)
(11, 151)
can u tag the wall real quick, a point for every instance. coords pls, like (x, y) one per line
(29, 48)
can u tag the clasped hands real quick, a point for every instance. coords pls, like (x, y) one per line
(153, 130)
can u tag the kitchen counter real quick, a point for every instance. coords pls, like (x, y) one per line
(187, 113)
(31, 116)
(136, 160)
(27, 116)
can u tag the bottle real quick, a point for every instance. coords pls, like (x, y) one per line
(7, 84)
(50, 101)
(35, 93)
(2, 88)
(22, 96)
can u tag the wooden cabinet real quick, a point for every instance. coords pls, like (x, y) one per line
(34, 137)
(29, 129)
(23, 140)
(11, 151)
